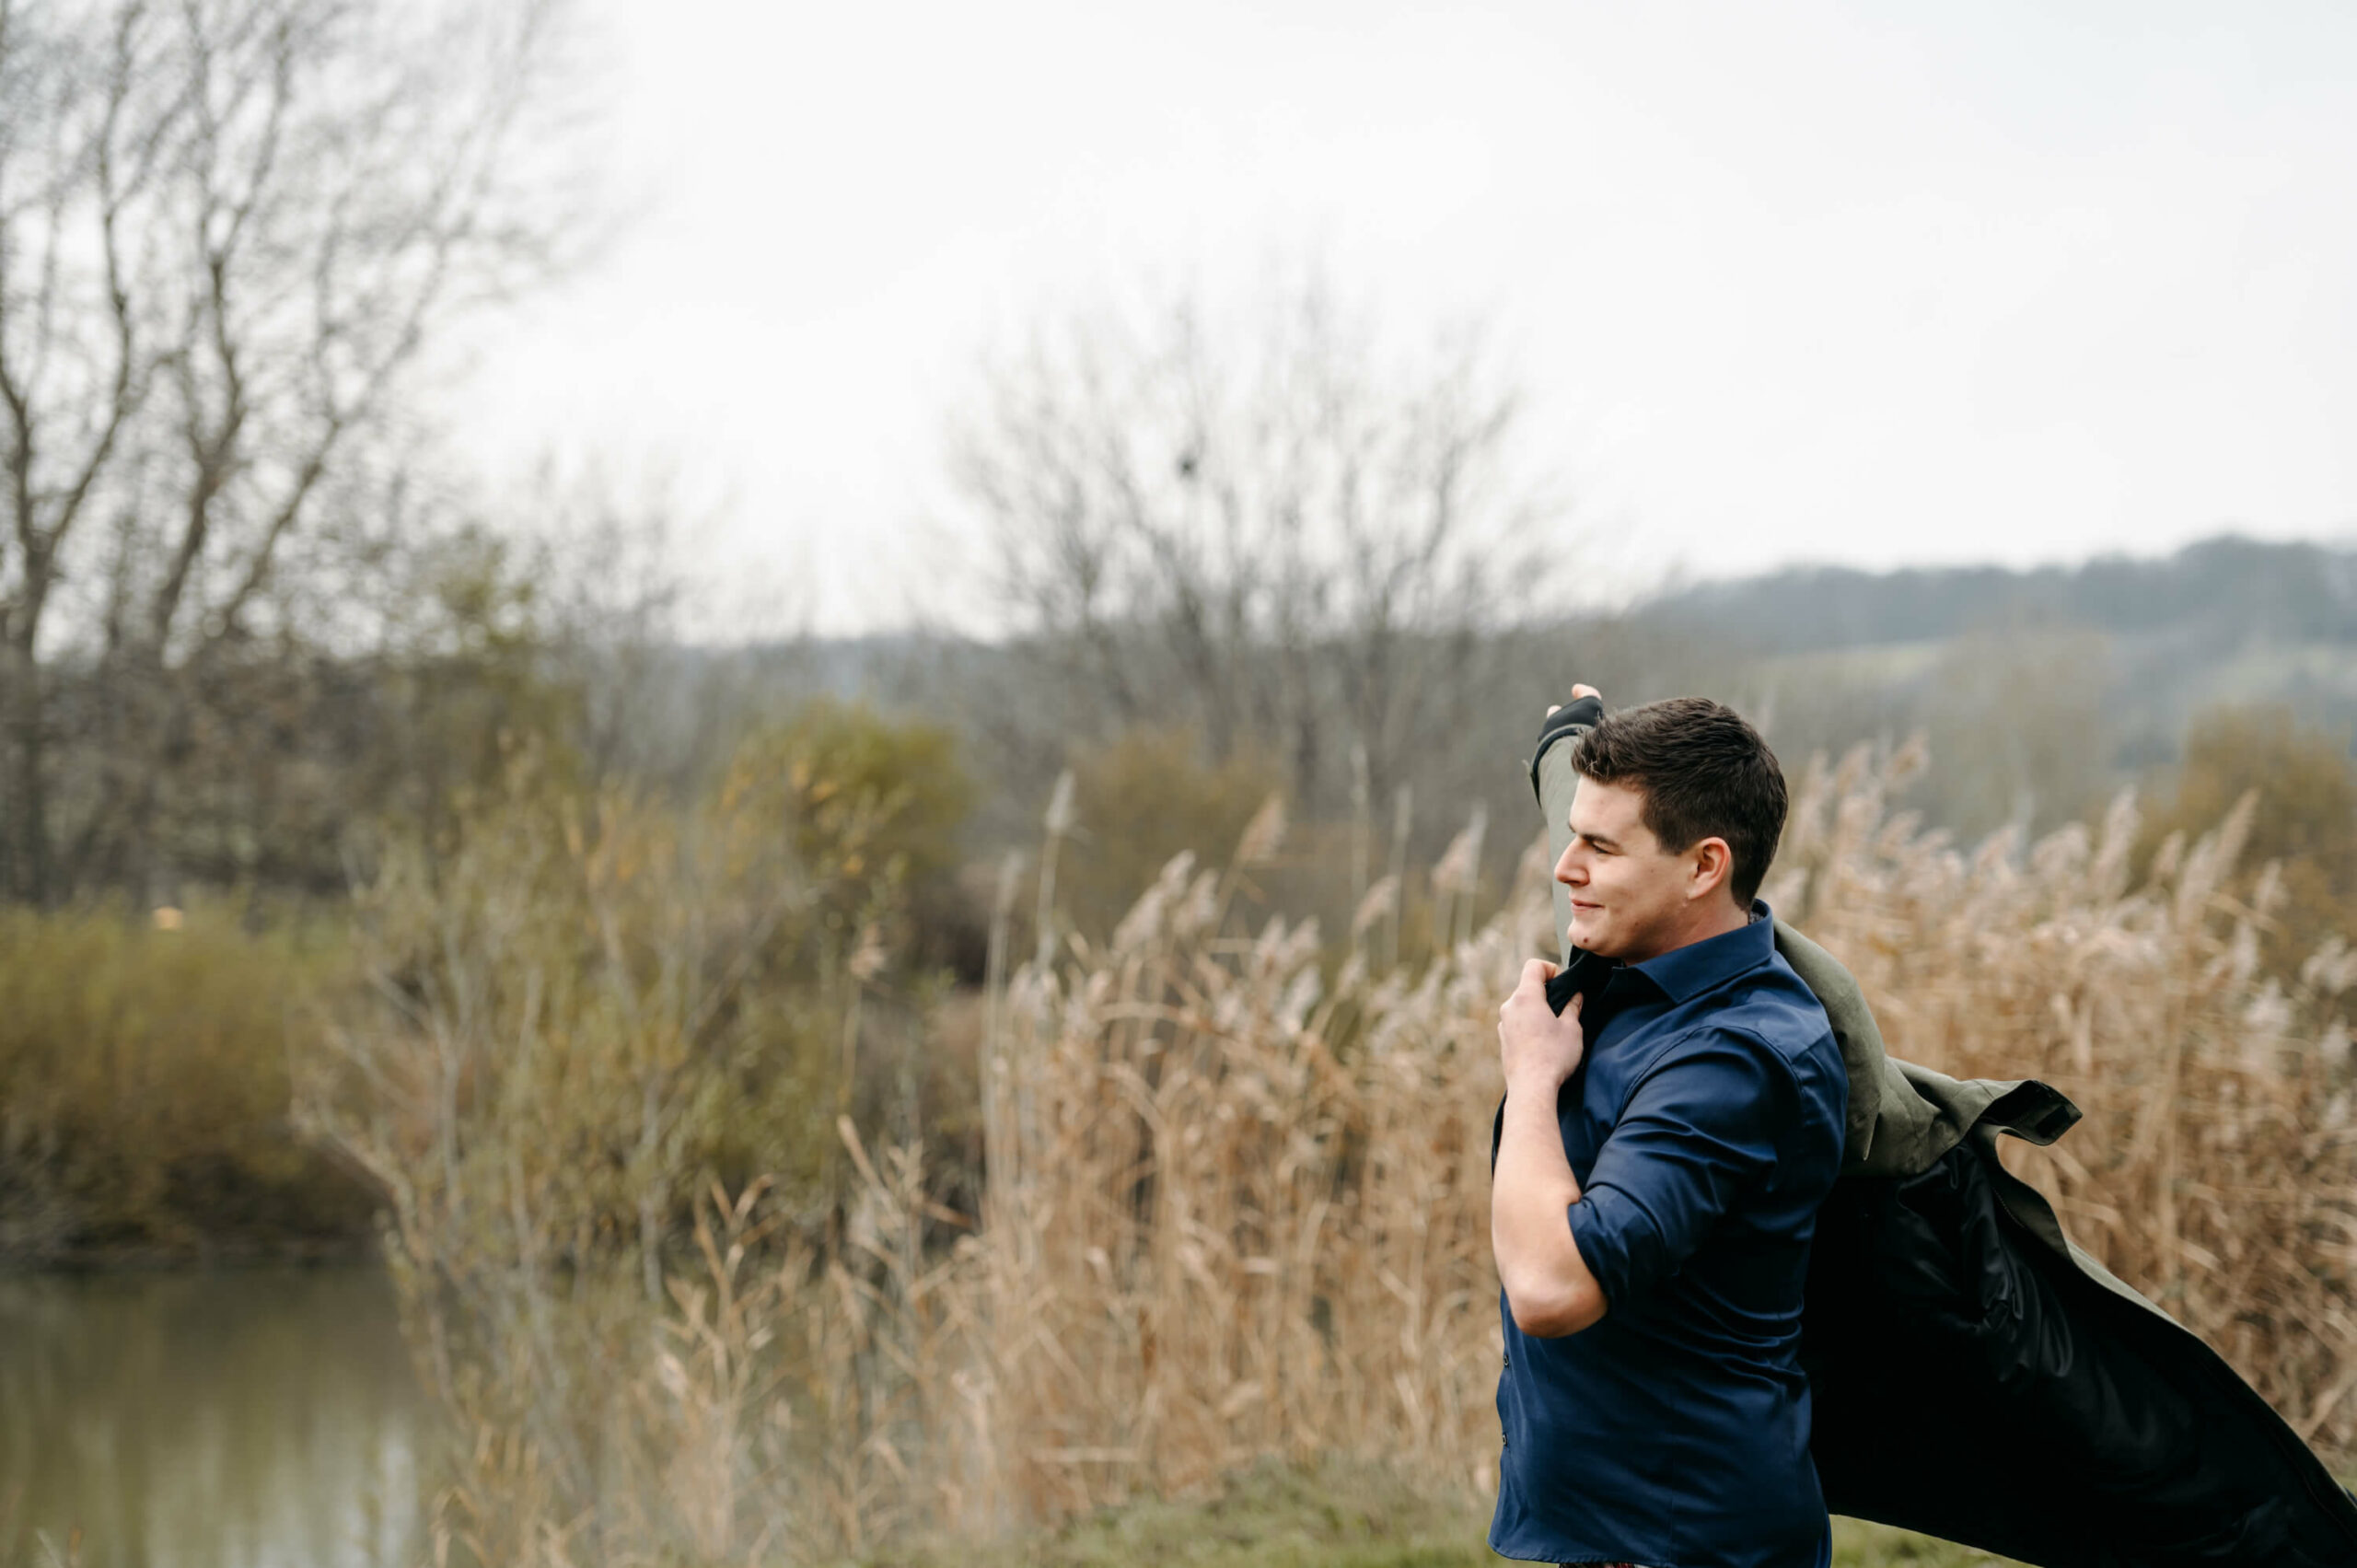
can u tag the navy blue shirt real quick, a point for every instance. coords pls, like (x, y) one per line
(1704, 1125)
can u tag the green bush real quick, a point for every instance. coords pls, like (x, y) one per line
(145, 1087)
(1138, 800)
(2304, 820)
(592, 1005)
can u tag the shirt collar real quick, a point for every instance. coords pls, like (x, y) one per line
(1684, 973)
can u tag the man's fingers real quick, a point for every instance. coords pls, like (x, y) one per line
(1536, 973)
(1582, 689)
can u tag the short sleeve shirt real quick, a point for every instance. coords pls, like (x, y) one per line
(1704, 1125)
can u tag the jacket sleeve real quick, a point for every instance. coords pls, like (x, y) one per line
(1553, 780)
(1697, 1132)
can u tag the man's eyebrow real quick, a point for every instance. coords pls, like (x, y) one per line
(1603, 841)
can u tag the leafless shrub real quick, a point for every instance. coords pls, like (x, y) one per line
(1261, 523)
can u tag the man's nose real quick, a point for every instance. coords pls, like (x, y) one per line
(1568, 870)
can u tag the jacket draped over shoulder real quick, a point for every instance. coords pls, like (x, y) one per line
(1976, 1376)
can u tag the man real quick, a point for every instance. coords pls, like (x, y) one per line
(1665, 1144)
(1972, 1375)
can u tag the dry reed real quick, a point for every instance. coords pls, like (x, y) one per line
(1235, 1202)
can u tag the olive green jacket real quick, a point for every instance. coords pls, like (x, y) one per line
(1975, 1375)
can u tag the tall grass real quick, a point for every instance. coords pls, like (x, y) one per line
(1235, 1202)
(586, 1015)
(1237, 1208)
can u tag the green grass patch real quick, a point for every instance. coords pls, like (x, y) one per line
(1334, 1517)
(1857, 1544)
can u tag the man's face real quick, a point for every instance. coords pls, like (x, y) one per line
(1630, 896)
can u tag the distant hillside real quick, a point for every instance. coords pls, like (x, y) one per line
(2040, 693)
(2228, 588)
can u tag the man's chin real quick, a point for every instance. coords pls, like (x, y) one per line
(1597, 940)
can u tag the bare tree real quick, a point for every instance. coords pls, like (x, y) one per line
(228, 229)
(1269, 528)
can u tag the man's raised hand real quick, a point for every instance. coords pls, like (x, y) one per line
(1577, 692)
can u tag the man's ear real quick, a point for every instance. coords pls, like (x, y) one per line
(1713, 863)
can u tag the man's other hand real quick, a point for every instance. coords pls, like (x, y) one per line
(1538, 1047)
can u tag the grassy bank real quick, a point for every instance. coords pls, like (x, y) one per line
(1336, 1517)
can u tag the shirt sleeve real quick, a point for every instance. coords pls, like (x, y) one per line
(1698, 1132)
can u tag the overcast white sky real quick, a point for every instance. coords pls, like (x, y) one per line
(1876, 284)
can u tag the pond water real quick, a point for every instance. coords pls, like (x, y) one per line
(254, 1417)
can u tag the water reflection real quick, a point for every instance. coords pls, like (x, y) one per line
(257, 1417)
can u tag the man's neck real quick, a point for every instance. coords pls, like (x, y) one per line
(1716, 918)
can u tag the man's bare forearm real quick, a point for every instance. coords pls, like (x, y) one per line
(1547, 1282)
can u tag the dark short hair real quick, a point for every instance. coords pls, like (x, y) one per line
(1704, 773)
